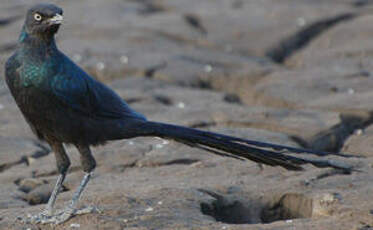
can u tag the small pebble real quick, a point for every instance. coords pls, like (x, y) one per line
(124, 59)
(30, 160)
(28, 184)
(181, 105)
(197, 164)
(289, 221)
(301, 21)
(329, 198)
(149, 209)
(1, 106)
(359, 132)
(77, 58)
(74, 225)
(131, 143)
(208, 68)
(165, 142)
(160, 202)
(159, 146)
(100, 66)
(125, 220)
(350, 91)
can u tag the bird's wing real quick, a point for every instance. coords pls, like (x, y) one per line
(76, 89)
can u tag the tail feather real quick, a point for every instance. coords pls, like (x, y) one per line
(238, 148)
(283, 147)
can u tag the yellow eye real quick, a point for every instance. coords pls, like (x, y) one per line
(37, 17)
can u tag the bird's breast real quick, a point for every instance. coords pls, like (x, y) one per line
(35, 74)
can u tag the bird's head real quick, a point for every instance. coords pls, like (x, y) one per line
(43, 20)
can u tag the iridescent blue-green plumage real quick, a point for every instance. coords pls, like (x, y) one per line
(60, 100)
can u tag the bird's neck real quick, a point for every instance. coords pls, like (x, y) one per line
(42, 43)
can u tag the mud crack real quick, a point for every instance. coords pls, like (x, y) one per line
(289, 45)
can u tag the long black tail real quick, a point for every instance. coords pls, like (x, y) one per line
(239, 148)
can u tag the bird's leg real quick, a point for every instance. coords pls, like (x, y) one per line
(63, 164)
(71, 208)
(47, 214)
(88, 164)
(53, 197)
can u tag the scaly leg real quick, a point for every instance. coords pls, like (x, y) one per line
(79, 191)
(48, 212)
(71, 209)
(56, 190)
(88, 164)
(63, 163)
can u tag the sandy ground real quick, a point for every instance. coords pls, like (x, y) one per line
(292, 72)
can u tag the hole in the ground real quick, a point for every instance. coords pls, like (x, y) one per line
(234, 211)
(286, 207)
(228, 209)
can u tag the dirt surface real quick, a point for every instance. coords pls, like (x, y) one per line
(292, 72)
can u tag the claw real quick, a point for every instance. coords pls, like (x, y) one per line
(87, 210)
(47, 216)
(60, 217)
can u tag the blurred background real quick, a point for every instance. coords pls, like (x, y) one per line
(294, 72)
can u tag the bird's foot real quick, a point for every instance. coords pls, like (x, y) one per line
(60, 217)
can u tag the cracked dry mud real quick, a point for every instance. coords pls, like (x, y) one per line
(292, 72)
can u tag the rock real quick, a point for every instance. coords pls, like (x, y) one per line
(323, 205)
(286, 207)
(29, 184)
(39, 195)
(360, 143)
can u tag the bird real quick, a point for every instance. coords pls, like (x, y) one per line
(62, 104)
